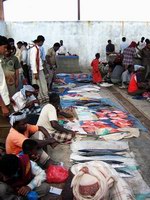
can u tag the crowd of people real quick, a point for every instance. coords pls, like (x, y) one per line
(25, 98)
(26, 77)
(129, 68)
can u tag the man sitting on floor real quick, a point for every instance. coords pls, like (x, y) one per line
(20, 131)
(25, 100)
(126, 76)
(48, 117)
(19, 176)
(137, 86)
(31, 148)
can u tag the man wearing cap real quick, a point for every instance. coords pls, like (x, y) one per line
(25, 101)
(4, 95)
(20, 131)
(20, 98)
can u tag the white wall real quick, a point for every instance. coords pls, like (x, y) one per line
(81, 38)
(2, 28)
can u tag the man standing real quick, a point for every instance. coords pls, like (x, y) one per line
(51, 63)
(4, 95)
(123, 45)
(48, 117)
(128, 55)
(62, 50)
(141, 43)
(51, 55)
(145, 56)
(110, 49)
(38, 76)
(11, 66)
(24, 62)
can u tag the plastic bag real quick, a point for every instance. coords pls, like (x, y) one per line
(56, 174)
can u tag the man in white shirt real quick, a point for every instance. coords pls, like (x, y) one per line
(62, 49)
(19, 50)
(38, 76)
(4, 95)
(21, 177)
(123, 45)
(24, 62)
(48, 117)
(21, 97)
(141, 44)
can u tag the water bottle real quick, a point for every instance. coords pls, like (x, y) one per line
(32, 195)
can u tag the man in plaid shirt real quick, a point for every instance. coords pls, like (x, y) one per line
(128, 54)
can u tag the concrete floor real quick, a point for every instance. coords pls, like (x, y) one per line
(140, 146)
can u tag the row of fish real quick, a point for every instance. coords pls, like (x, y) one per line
(104, 155)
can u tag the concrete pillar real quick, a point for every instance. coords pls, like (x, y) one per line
(1, 10)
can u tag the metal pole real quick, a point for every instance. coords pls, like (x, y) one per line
(78, 10)
(1, 11)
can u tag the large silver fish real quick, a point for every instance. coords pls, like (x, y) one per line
(100, 154)
(113, 163)
(103, 150)
(107, 161)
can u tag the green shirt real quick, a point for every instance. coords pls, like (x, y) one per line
(52, 56)
(10, 65)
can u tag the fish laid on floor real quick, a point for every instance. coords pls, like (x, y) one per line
(99, 154)
(123, 173)
(113, 163)
(103, 150)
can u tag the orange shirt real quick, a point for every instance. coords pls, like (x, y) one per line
(15, 139)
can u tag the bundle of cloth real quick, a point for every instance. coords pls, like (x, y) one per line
(97, 180)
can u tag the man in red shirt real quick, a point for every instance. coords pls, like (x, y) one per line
(136, 85)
